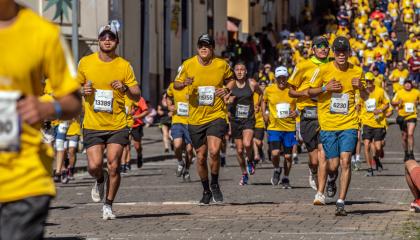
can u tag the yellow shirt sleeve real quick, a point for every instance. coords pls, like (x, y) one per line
(130, 79)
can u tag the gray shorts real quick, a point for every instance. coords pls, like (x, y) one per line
(97, 137)
(24, 219)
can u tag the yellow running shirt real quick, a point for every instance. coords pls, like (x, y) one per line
(280, 105)
(129, 105)
(410, 99)
(109, 103)
(180, 100)
(376, 100)
(74, 128)
(204, 105)
(259, 120)
(398, 77)
(31, 49)
(337, 111)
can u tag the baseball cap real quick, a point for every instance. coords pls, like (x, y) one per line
(369, 76)
(369, 45)
(108, 29)
(206, 39)
(320, 40)
(281, 71)
(341, 44)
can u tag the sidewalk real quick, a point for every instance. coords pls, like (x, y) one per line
(153, 150)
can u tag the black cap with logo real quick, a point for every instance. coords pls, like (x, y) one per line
(341, 44)
(206, 39)
(320, 40)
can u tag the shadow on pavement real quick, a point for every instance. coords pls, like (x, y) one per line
(64, 238)
(71, 185)
(390, 175)
(251, 203)
(141, 175)
(51, 224)
(153, 215)
(61, 207)
(356, 202)
(363, 212)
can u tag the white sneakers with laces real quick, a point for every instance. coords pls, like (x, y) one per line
(107, 213)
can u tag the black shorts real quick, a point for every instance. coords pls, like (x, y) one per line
(96, 137)
(199, 133)
(24, 219)
(309, 130)
(259, 133)
(375, 134)
(137, 133)
(403, 123)
(238, 126)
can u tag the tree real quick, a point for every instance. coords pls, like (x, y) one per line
(61, 8)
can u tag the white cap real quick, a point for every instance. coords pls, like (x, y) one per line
(281, 71)
(108, 28)
(369, 45)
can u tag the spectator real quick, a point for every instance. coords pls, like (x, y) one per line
(397, 47)
(249, 54)
(414, 66)
(342, 17)
(150, 118)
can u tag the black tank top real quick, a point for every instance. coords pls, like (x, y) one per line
(243, 105)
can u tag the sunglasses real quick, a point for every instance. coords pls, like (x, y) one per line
(200, 46)
(321, 45)
(109, 37)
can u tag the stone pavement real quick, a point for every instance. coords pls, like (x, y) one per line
(154, 204)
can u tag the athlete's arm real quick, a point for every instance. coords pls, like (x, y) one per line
(264, 111)
(181, 85)
(331, 86)
(295, 94)
(133, 93)
(170, 104)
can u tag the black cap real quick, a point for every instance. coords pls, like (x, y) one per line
(341, 44)
(321, 40)
(206, 39)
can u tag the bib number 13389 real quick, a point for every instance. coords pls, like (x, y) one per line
(10, 124)
(103, 101)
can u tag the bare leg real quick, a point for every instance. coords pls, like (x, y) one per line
(345, 160)
(114, 153)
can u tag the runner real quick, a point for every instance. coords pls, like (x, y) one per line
(259, 127)
(126, 155)
(106, 79)
(281, 122)
(242, 119)
(165, 122)
(178, 104)
(309, 125)
(335, 85)
(26, 185)
(407, 100)
(139, 111)
(372, 109)
(60, 137)
(412, 176)
(204, 76)
(398, 76)
(71, 145)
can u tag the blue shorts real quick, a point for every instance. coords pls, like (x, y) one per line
(336, 142)
(277, 138)
(179, 130)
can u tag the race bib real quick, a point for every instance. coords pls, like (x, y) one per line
(409, 107)
(361, 25)
(283, 110)
(242, 111)
(339, 103)
(206, 95)
(370, 105)
(411, 52)
(182, 109)
(407, 16)
(10, 124)
(401, 81)
(369, 60)
(103, 101)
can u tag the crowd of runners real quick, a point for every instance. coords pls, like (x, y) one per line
(337, 95)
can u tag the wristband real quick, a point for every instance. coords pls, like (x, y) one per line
(58, 110)
(324, 89)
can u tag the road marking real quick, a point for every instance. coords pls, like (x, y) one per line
(148, 203)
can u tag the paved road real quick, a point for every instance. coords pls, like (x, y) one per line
(154, 204)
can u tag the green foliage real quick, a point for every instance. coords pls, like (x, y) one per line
(61, 8)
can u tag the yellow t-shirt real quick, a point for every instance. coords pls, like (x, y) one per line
(368, 57)
(408, 15)
(31, 49)
(341, 32)
(259, 120)
(293, 43)
(329, 120)
(398, 77)
(129, 105)
(360, 24)
(74, 128)
(393, 9)
(374, 24)
(279, 102)
(408, 108)
(101, 74)
(206, 79)
(410, 47)
(389, 45)
(263, 77)
(354, 60)
(383, 51)
(379, 80)
(358, 46)
(180, 100)
(300, 78)
(380, 31)
(376, 100)
(363, 10)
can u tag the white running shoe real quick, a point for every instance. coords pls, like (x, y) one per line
(98, 189)
(313, 180)
(180, 169)
(319, 199)
(107, 213)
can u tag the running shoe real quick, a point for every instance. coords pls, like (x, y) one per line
(415, 206)
(98, 189)
(331, 188)
(411, 156)
(71, 173)
(250, 168)
(128, 165)
(244, 180)
(64, 177)
(57, 178)
(285, 182)
(339, 211)
(180, 168)
(378, 163)
(139, 161)
(406, 156)
(370, 173)
(166, 150)
(313, 180)
(205, 200)
(186, 176)
(222, 161)
(217, 194)
(296, 160)
(276, 177)
(123, 168)
(319, 199)
(107, 213)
